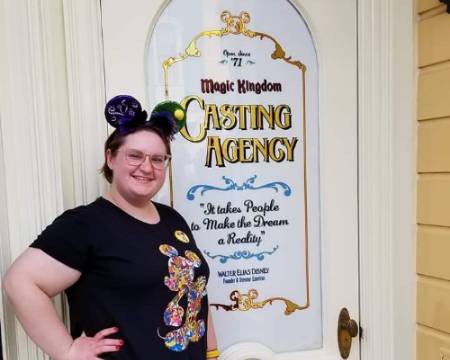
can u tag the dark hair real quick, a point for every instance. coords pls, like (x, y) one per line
(116, 140)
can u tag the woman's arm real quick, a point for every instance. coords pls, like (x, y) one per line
(30, 283)
(211, 336)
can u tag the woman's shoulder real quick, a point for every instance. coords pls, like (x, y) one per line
(84, 218)
(73, 224)
(82, 213)
(69, 237)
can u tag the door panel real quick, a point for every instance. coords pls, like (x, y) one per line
(326, 221)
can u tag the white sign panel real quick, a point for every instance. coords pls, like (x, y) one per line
(245, 166)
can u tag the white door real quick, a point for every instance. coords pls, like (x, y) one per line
(333, 252)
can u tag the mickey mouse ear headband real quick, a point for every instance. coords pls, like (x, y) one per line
(125, 113)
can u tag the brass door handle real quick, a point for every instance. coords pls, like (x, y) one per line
(347, 329)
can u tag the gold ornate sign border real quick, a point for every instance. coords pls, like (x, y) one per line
(236, 25)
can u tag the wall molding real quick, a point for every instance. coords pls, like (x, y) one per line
(387, 178)
(52, 93)
(84, 50)
(8, 320)
(375, 172)
(32, 99)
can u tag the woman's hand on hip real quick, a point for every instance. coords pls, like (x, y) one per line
(88, 348)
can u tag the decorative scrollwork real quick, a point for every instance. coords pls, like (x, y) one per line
(236, 24)
(246, 302)
(232, 185)
(241, 254)
(249, 185)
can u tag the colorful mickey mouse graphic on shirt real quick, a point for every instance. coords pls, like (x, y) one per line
(181, 280)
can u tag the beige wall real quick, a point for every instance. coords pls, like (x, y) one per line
(433, 187)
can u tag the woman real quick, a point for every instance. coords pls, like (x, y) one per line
(134, 278)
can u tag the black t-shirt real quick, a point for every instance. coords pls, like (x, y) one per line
(147, 279)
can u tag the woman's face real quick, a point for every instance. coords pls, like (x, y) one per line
(137, 183)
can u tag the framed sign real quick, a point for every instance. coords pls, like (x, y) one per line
(245, 168)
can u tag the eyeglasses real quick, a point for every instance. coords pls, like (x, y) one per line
(136, 158)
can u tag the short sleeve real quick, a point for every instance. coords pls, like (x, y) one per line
(66, 240)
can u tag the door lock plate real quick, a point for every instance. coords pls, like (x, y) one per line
(347, 329)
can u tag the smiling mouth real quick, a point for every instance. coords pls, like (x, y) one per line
(142, 179)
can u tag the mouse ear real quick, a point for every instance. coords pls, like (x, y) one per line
(124, 112)
(192, 256)
(168, 250)
(169, 116)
